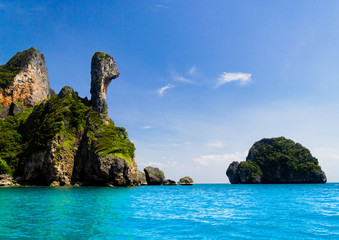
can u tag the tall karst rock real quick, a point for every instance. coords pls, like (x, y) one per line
(65, 139)
(103, 70)
(23, 82)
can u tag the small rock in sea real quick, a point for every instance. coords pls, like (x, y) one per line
(142, 178)
(55, 184)
(7, 181)
(154, 176)
(109, 184)
(169, 182)
(186, 181)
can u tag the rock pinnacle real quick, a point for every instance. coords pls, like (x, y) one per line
(103, 70)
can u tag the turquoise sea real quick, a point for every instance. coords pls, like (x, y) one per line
(201, 211)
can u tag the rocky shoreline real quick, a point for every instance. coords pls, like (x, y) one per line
(50, 139)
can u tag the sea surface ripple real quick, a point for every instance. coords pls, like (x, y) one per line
(201, 211)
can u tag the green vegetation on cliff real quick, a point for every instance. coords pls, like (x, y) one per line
(101, 55)
(65, 117)
(12, 146)
(14, 65)
(251, 170)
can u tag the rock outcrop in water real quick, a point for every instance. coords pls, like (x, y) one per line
(169, 182)
(154, 176)
(23, 82)
(142, 178)
(186, 181)
(277, 160)
(65, 139)
(233, 173)
(8, 181)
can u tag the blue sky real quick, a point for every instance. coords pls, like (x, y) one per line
(200, 81)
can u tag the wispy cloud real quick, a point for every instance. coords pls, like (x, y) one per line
(206, 160)
(192, 70)
(162, 90)
(161, 6)
(173, 144)
(147, 127)
(182, 79)
(158, 164)
(215, 144)
(188, 77)
(226, 77)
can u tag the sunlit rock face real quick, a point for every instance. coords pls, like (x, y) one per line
(28, 82)
(186, 181)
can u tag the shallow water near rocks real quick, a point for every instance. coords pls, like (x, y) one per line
(201, 211)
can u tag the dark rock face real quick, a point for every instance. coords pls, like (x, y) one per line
(103, 70)
(28, 82)
(65, 91)
(250, 173)
(169, 182)
(16, 108)
(233, 172)
(142, 178)
(277, 160)
(75, 157)
(186, 181)
(114, 171)
(154, 176)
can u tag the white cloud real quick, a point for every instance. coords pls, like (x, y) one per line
(162, 90)
(174, 144)
(192, 70)
(215, 144)
(147, 127)
(161, 6)
(225, 159)
(160, 165)
(153, 164)
(227, 77)
(326, 153)
(165, 145)
(182, 79)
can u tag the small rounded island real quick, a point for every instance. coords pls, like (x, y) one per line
(186, 181)
(277, 160)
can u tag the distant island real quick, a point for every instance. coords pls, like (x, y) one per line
(277, 160)
(61, 139)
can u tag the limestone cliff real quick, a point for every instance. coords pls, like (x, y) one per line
(103, 70)
(277, 160)
(23, 82)
(65, 140)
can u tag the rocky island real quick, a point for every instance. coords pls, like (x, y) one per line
(277, 160)
(61, 139)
